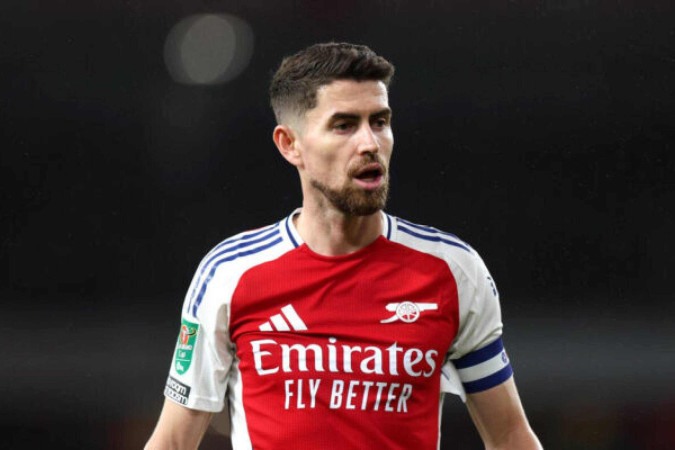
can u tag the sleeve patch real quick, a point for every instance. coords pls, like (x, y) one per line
(177, 391)
(185, 346)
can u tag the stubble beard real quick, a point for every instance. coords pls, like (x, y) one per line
(353, 201)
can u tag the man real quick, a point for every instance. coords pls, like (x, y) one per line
(340, 326)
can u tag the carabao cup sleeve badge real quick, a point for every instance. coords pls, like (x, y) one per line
(185, 346)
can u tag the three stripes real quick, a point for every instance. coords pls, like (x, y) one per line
(287, 320)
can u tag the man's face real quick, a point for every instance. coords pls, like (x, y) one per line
(345, 144)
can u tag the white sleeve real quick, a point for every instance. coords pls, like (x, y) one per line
(480, 317)
(477, 358)
(203, 355)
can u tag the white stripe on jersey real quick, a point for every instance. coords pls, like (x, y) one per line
(294, 318)
(280, 323)
(484, 369)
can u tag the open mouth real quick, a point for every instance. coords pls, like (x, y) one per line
(370, 176)
(370, 172)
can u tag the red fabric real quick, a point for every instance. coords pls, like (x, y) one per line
(342, 301)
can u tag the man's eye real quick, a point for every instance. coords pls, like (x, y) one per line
(382, 122)
(342, 126)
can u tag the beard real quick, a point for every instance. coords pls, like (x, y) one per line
(354, 201)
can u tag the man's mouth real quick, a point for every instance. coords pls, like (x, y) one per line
(370, 176)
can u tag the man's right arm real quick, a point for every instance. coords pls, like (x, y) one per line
(179, 428)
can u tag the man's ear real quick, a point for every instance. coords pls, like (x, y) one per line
(285, 138)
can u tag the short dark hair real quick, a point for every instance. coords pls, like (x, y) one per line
(298, 78)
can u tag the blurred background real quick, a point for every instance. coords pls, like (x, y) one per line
(137, 134)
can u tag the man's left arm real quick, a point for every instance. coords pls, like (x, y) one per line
(500, 419)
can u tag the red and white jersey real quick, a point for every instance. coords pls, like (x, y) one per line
(343, 352)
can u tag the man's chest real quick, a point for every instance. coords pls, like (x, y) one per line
(390, 314)
(357, 342)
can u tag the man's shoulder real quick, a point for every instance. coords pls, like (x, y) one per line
(425, 236)
(252, 245)
(456, 252)
(225, 263)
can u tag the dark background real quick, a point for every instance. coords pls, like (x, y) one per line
(539, 131)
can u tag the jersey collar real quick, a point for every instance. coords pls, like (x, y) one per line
(297, 241)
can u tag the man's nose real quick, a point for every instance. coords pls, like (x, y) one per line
(368, 142)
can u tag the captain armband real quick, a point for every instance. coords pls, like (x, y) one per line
(485, 368)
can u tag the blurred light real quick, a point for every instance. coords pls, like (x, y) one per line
(208, 48)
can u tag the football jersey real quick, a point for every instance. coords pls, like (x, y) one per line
(337, 352)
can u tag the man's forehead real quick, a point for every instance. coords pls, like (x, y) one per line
(354, 95)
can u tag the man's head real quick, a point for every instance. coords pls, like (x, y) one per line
(332, 104)
(295, 84)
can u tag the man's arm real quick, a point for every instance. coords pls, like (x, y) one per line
(178, 428)
(500, 418)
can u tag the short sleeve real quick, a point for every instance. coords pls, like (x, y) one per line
(477, 360)
(202, 357)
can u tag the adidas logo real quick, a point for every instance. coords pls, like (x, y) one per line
(286, 321)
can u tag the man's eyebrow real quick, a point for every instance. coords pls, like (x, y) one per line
(385, 112)
(344, 116)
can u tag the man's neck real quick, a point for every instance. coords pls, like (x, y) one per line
(331, 233)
